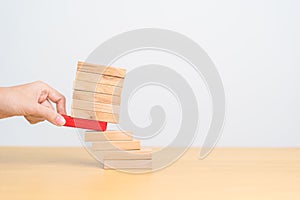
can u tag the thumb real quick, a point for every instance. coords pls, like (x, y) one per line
(51, 115)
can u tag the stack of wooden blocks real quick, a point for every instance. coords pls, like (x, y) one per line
(97, 96)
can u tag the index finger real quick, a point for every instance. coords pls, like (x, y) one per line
(58, 99)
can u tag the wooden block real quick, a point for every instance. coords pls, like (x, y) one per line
(116, 145)
(99, 79)
(127, 164)
(96, 97)
(97, 107)
(101, 69)
(98, 88)
(92, 136)
(143, 154)
(99, 116)
(84, 123)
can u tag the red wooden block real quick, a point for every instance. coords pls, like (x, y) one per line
(85, 123)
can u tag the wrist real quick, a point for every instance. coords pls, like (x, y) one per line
(5, 103)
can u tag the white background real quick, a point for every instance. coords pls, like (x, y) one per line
(255, 46)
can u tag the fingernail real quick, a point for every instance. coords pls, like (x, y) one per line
(60, 121)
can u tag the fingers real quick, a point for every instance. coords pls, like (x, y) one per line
(59, 100)
(55, 97)
(50, 115)
(34, 120)
(47, 104)
(43, 109)
(43, 96)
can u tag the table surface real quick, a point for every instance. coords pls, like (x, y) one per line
(71, 173)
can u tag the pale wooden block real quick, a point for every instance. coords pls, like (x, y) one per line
(97, 107)
(101, 69)
(92, 136)
(99, 79)
(143, 154)
(127, 164)
(98, 88)
(99, 116)
(116, 145)
(96, 97)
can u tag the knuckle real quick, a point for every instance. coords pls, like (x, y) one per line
(29, 119)
(63, 98)
(32, 122)
(39, 82)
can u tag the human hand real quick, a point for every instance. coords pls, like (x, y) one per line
(32, 101)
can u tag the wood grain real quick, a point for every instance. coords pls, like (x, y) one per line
(96, 107)
(96, 97)
(127, 164)
(99, 79)
(116, 145)
(98, 88)
(101, 69)
(99, 116)
(143, 154)
(32, 173)
(92, 136)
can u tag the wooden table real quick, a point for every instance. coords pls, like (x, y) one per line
(70, 173)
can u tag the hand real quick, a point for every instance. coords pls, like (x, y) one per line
(32, 101)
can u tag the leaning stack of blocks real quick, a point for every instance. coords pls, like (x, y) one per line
(97, 96)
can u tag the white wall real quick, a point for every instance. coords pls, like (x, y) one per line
(254, 44)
